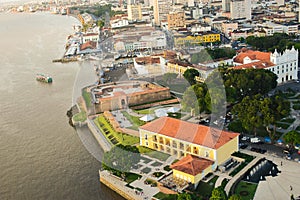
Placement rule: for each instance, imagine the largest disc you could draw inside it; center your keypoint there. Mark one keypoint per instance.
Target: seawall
(106, 146)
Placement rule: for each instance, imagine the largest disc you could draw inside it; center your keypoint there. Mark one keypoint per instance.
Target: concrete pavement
(278, 188)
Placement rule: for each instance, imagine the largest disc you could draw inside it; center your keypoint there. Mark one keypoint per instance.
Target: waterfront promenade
(106, 146)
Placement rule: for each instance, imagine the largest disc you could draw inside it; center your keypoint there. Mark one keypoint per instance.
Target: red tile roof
(255, 65)
(89, 44)
(253, 55)
(189, 132)
(192, 165)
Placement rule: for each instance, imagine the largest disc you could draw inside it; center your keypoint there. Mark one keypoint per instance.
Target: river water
(42, 157)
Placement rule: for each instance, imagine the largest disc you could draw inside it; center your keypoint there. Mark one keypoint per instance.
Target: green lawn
(87, 98)
(163, 196)
(204, 189)
(157, 174)
(121, 138)
(135, 121)
(145, 111)
(80, 117)
(167, 168)
(296, 106)
(153, 154)
(246, 190)
(146, 170)
(130, 177)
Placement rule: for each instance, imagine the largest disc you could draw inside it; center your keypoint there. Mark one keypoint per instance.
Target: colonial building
(284, 65)
(196, 39)
(121, 95)
(179, 67)
(200, 148)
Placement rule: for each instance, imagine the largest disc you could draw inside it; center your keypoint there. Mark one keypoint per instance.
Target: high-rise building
(134, 12)
(130, 2)
(156, 12)
(176, 20)
(226, 5)
(240, 9)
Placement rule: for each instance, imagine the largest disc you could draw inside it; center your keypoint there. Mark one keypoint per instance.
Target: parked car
(254, 140)
(243, 145)
(245, 138)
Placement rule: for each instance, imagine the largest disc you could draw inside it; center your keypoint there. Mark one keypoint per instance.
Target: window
(146, 143)
(146, 137)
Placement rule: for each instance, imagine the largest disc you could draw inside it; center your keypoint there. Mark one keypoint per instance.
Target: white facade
(89, 37)
(286, 65)
(119, 23)
(217, 63)
(240, 9)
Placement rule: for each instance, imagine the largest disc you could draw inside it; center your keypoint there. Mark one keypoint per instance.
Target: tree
(184, 196)
(100, 23)
(218, 194)
(274, 109)
(194, 99)
(190, 75)
(249, 113)
(292, 138)
(168, 77)
(235, 197)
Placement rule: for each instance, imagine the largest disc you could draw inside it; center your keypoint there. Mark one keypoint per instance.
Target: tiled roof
(189, 132)
(253, 55)
(192, 165)
(89, 44)
(255, 65)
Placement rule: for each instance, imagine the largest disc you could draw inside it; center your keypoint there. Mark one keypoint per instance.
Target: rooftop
(253, 55)
(189, 132)
(192, 165)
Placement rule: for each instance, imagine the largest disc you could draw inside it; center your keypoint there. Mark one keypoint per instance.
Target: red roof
(255, 65)
(192, 165)
(189, 132)
(89, 44)
(253, 55)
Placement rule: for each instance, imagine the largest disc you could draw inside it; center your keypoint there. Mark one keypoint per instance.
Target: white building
(118, 23)
(140, 39)
(89, 37)
(240, 9)
(284, 65)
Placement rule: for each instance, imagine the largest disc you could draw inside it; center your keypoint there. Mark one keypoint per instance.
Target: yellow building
(197, 39)
(179, 67)
(195, 143)
(134, 12)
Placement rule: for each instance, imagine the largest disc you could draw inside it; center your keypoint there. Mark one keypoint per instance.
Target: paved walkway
(238, 175)
(106, 146)
(294, 113)
(278, 188)
(221, 177)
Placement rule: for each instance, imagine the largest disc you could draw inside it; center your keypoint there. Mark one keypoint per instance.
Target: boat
(44, 78)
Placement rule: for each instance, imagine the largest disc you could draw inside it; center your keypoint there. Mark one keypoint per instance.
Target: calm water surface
(42, 157)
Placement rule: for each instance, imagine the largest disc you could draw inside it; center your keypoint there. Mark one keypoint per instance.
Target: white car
(245, 138)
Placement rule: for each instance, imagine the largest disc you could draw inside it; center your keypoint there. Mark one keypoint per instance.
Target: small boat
(43, 78)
